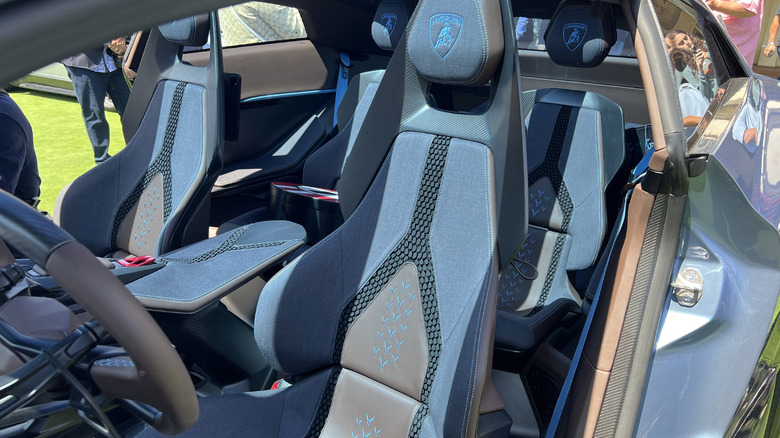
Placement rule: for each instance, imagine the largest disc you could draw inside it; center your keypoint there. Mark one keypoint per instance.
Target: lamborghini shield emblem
(574, 35)
(389, 21)
(444, 31)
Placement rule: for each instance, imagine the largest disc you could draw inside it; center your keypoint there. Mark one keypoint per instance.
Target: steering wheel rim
(156, 375)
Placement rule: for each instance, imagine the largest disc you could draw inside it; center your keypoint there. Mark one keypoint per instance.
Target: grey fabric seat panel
(157, 200)
(566, 177)
(611, 120)
(230, 259)
(323, 168)
(355, 92)
(398, 199)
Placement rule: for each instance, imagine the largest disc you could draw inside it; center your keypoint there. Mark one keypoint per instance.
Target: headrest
(389, 24)
(580, 33)
(190, 31)
(461, 48)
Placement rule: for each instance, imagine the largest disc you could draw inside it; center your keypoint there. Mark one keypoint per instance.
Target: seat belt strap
(341, 84)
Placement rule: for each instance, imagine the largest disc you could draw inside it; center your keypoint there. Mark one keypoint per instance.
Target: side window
(698, 73)
(259, 22)
(529, 34)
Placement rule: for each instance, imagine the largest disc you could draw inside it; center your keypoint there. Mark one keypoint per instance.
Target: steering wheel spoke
(158, 375)
(21, 387)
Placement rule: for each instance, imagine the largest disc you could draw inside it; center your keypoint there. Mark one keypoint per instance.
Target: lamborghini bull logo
(444, 32)
(574, 35)
(389, 21)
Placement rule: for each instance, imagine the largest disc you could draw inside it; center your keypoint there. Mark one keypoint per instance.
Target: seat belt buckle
(281, 384)
(133, 262)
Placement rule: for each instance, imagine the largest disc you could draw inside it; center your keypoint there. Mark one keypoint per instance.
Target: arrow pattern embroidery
(390, 333)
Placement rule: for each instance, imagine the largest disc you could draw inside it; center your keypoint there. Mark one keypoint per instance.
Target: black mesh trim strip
(227, 245)
(415, 248)
(417, 422)
(326, 399)
(161, 164)
(550, 168)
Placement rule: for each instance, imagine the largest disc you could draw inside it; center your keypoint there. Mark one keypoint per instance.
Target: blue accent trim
(284, 95)
(341, 83)
(643, 164)
(564, 395)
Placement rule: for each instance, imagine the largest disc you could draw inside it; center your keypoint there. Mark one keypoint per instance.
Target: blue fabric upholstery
(189, 31)
(581, 33)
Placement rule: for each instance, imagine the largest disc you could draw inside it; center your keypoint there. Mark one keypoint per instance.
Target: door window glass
(259, 22)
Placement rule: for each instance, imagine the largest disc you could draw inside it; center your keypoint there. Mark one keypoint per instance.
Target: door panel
(282, 85)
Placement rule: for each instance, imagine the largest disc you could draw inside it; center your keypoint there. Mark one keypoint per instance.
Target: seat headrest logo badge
(444, 32)
(574, 35)
(389, 21)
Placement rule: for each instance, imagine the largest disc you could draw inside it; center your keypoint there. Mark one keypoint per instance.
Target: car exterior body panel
(52, 78)
(705, 354)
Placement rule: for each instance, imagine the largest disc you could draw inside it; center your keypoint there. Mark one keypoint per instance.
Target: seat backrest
(323, 168)
(576, 145)
(143, 201)
(399, 302)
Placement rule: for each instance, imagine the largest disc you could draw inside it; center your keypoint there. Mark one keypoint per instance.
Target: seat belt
(341, 84)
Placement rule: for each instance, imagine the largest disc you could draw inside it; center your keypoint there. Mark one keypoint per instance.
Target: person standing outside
(18, 162)
(770, 48)
(743, 23)
(94, 73)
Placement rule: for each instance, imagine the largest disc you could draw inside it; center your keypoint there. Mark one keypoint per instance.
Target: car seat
(386, 324)
(576, 145)
(149, 198)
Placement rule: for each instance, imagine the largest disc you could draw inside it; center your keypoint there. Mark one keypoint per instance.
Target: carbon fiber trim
(614, 397)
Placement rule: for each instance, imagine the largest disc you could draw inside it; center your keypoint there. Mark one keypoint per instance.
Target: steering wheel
(154, 373)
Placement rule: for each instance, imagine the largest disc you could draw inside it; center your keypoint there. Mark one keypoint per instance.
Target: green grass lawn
(61, 141)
